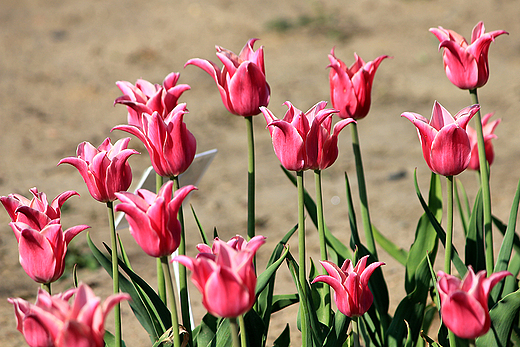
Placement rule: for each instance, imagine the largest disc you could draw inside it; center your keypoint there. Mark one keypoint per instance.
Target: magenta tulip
(466, 65)
(304, 141)
(488, 130)
(225, 275)
(464, 304)
(153, 218)
(241, 82)
(170, 144)
(53, 322)
(146, 97)
(105, 169)
(351, 293)
(445, 142)
(351, 88)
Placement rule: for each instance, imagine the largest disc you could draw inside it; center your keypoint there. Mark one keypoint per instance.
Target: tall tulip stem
(355, 330)
(243, 338)
(449, 227)
(234, 331)
(301, 249)
(115, 272)
(484, 183)
(183, 277)
(171, 301)
(46, 287)
(365, 215)
(161, 286)
(250, 179)
(325, 290)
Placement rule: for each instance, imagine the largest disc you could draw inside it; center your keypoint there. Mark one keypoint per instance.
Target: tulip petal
(464, 315)
(450, 151)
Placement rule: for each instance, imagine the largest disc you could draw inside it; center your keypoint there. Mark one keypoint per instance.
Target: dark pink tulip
(464, 304)
(225, 275)
(170, 144)
(488, 132)
(304, 141)
(445, 142)
(145, 97)
(153, 218)
(466, 65)
(351, 293)
(351, 88)
(53, 322)
(241, 82)
(105, 169)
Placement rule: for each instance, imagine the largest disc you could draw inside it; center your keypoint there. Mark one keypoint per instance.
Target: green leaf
(223, 336)
(110, 340)
(206, 330)
(284, 339)
(338, 331)
(282, 301)
(254, 329)
(464, 211)
(475, 252)
(199, 226)
(430, 341)
(391, 248)
(264, 278)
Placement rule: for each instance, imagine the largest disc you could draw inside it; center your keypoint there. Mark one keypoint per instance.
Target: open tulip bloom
(444, 140)
(488, 131)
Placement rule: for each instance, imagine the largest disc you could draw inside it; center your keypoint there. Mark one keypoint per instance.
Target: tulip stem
(355, 330)
(234, 331)
(183, 277)
(47, 287)
(250, 179)
(243, 337)
(484, 183)
(324, 290)
(171, 301)
(161, 286)
(115, 272)
(365, 215)
(449, 227)
(301, 251)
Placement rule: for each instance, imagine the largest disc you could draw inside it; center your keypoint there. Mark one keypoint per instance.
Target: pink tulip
(146, 97)
(170, 144)
(351, 293)
(225, 275)
(351, 88)
(53, 322)
(464, 304)
(466, 65)
(488, 132)
(105, 169)
(304, 141)
(445, 142)
(241, 82)
(153, 218)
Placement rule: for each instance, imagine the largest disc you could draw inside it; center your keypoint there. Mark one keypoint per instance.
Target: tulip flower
(170, 144)
(225, 275)
(53, 322)
(241, 81)
(445, 142)
(488, 132)
(145, 97)
(153, 218)
(351, 88)
(304, 141)
(351, 293)
(464, 304)
(466, 65)
(105, 169)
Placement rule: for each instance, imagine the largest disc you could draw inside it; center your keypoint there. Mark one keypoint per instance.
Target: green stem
(355, 330)
(365, 215)
(171, 300)
(161, 286)
(234, 332)
(183, 276)
(46, 287)
(115, 272)
(324, 290)
(243, 337)
(452, 338)
(449, 227)
(484, 184)
(301, 250)
(250, 179)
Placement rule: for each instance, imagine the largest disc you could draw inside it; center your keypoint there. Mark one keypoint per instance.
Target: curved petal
(464, 315)
(288, 145)
(450, 151)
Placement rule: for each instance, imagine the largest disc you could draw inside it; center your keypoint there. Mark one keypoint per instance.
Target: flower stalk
(449, 227)
(171, 300)
(115, 273)
(234, 331)
(301, 249)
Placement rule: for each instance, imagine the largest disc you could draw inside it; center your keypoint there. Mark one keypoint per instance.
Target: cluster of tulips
(238, 297)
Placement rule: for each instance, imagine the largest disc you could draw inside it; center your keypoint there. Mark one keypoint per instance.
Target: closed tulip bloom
(466, 65)
(105, 169)
(170, 144)
(351, 293)
(304, 141)
(464, 304)
(225, 275)
(53, 322)
(488, 130)
(445, 142)
(241, 82)
(153, 218)
(145, 97)
(351, 88)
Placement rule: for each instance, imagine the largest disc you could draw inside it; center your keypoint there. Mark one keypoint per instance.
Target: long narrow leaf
(391, 248)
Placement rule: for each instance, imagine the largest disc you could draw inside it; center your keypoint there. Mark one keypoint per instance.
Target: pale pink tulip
(466, 65)
(488, 130)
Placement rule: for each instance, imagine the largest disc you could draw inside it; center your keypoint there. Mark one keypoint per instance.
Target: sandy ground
(59, 61)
